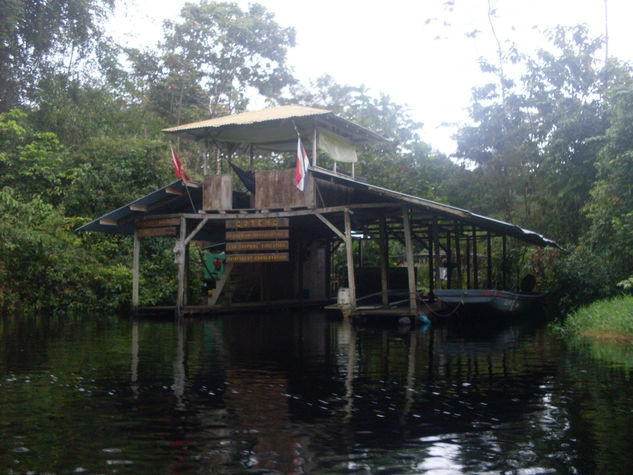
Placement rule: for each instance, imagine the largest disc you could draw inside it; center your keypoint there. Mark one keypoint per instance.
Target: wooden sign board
(257, 246)
(157, 223)
(257, 223)
(262, 257)
(257, 235)
(257, 240)
(162, 231)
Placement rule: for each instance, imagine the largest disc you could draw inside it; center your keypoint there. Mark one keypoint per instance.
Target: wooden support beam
(458, 258)
(141, 208)
(219, 286)
(187, 269)
(196, 230)
(467, 262)
(413, 294)
(383, 242)
(504, 263)
(431, 263)
(330, 225)
(136, 269)
(179, 252)
(252, 213)
(174, 191)
(108, 222)
(475, 260)
(205, 157)
(314, 146)
(449, 260)
(436, 246)
(350, 259)
(489, 251)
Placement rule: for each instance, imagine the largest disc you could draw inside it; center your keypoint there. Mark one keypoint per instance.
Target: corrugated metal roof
(273, 128)
(252, 117)
(169, 199)
(163, 202)
(463, 215)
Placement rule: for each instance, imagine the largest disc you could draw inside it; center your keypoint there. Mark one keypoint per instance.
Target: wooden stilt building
(278, 240)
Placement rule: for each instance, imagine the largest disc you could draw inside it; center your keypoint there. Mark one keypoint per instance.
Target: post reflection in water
(299, 393)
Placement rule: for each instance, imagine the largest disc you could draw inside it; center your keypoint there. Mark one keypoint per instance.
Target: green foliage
(580, 277)
(210, 58)
(43, 266)
(626, 284)
(611, 205)
(603, 318)
(110, 172)
(35, 160)
(41, 37)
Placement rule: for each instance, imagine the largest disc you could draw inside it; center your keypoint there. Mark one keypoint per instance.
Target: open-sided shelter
(277, 240)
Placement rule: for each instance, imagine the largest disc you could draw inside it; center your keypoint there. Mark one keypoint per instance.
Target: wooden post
(408, 242)
(431, 264)
(350, 259)
(218, 163)
(489, 250)
(384, 261)
(314, 147)
(205, 158)
(475, 264)
(179, 251)
(458, 256)
(449, 260)
(467, 262)
(436, 246)
(185, 295)
(504, 263)
(135, 270)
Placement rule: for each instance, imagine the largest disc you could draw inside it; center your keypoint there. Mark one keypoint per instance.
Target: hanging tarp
(338, 148)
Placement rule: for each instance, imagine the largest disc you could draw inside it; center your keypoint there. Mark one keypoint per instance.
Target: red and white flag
(302, 165)
(180, 171)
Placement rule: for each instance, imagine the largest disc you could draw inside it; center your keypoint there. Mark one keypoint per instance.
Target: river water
(301, 393)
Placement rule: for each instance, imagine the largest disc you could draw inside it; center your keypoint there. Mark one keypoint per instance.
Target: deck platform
(223, 309)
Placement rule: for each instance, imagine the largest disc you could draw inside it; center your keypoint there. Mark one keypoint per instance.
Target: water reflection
(298, 393)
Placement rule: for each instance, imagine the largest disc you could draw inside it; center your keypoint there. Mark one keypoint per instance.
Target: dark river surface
(301, 393)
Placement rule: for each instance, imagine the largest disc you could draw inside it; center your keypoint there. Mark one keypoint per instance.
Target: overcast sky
(389, 47)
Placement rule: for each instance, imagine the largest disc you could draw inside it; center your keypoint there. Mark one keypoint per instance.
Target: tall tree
(610, 208)
(40, 37)
(534, 142)
(213, 56)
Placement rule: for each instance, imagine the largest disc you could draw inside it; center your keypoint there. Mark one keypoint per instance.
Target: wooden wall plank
(217, 193)
(276, 189)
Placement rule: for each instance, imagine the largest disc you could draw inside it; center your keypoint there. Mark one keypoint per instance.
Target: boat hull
(502, 301)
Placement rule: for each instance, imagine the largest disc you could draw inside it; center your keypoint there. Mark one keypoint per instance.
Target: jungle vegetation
(80, 118)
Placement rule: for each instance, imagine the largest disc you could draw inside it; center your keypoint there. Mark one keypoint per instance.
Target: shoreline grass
(605, 319)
